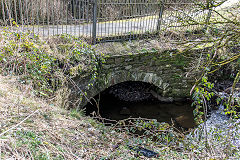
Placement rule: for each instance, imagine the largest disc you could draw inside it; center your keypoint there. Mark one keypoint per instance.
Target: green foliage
(76, 113)
(33, 141)
(26, 56)
(84, 60)
(202, 95)
(22, 56)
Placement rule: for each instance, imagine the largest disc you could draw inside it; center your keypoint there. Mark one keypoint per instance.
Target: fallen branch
(18, 123)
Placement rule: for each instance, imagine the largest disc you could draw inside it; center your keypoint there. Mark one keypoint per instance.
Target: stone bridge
(167, 69)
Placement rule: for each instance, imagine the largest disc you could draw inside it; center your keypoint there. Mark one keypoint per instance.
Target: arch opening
(140, 99)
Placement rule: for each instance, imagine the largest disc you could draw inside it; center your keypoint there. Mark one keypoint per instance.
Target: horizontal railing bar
(128, 3)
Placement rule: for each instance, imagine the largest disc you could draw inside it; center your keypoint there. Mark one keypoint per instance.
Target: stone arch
(107, 80)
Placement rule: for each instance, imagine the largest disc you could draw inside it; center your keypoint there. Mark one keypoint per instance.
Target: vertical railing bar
(84, 16)
(66, 18)
(101, 6)
(27, 17)
(58, 15)
(119, 19)
(117, 22)
(144, 19)
(43, 17)
(62, 16)
(9, 12)
(148, 31)
(73, 20)
(144, 15)
(33, 18)
(87, 15)
(122, 19)
(94, 27)
(131, 13)
(127, 24)
(89, 19)
(152, 14)
(97, 24)
(53, 17)
(3, 11)
(48, 16)
(75, 17)
(160, 17)
(15, 10)
(128, 27)
(133, 19)
(114, 24)
(79, 18)
(113, 33)
(135, 16)
(156, 15)
(149, 19)
(105, 21)
(8, 7)
(69, 20)
(140, 14)
(141, 7)
(24, 13)
(37, 16)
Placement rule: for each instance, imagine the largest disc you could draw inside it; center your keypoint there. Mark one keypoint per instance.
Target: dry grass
(49, 132)
(32, 129)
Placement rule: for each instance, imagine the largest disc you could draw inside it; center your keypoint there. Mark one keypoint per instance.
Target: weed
(76, 113)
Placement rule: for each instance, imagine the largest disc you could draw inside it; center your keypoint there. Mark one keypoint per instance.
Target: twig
(18, 123)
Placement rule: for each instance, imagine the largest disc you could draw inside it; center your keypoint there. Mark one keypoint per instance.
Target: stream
(135, 99)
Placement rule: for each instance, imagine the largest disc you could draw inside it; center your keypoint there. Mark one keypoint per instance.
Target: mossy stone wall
(165, 69)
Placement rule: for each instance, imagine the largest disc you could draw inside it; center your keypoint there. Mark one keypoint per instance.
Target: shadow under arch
(107, 80)
(115, 105)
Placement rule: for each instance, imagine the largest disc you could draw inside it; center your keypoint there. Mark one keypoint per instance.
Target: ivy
(202, 95)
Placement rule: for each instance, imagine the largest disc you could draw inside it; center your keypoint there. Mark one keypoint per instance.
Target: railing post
(160, 15)
(94, 30)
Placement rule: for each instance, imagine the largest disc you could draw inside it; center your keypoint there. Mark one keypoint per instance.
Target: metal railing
(98, 20)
